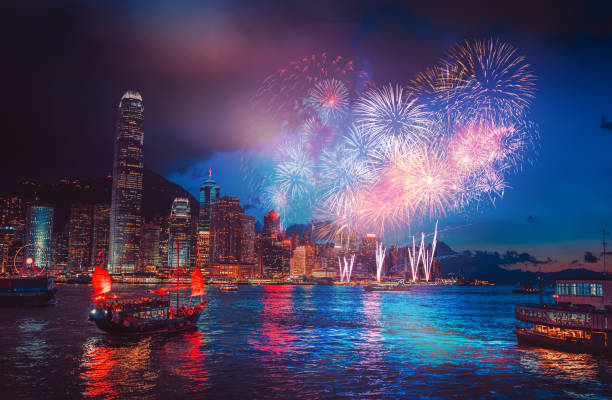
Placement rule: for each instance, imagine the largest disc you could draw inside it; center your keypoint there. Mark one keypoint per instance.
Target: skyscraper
(271, 226)
(149, 247)
(79, 237)
(209, 195)
(247, 241)
(100, 234)
(226, 230)
(180, 233)
(39, 227)
(125, 213)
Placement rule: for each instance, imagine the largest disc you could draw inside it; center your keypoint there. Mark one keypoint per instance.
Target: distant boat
(27, 290)
(527, 289)
(228, 288)
(388, 287)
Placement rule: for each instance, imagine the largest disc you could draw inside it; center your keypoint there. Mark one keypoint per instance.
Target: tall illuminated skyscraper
(180, 232)
(125, 213)
(39, 227)
(209, 195)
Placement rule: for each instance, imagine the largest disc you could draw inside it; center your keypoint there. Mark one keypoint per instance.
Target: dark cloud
(589, 257)
(66, 65)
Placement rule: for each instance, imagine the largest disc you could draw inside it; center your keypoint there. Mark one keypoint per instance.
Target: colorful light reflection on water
(286, 341)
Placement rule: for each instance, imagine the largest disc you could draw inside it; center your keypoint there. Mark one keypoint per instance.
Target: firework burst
(492, 76)
(374, 159)
(391, 110)
(329, 99)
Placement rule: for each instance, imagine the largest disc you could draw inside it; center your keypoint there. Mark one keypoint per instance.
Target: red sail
(197, 283)
(101, 281)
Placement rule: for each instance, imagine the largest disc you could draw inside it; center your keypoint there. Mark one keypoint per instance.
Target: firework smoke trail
(391, 110)
(380, 259)
(414, 259)
(428, 255)
(329, 99)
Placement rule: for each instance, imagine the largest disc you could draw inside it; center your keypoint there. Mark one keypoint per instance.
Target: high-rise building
(59, 254)
(7, 238)
(79, 237)
(149, 247)
(272, 226)
(100, 234)
(209, 195)
(180, 233)
(303, 261)
(39, 228)
(125, 213)
(247, 241)
(226, 230)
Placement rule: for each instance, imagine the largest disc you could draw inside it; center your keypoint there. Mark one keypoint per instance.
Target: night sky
(66, 65)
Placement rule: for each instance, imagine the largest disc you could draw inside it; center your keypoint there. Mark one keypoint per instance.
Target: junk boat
(388, 287)
(29, 285)
(146, 314)
(580, 321)
(228, 288)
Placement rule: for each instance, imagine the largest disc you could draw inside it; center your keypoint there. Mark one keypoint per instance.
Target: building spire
(210, 174)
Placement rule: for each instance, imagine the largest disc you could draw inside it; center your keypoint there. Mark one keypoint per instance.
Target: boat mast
(604, 250)
(178, 269)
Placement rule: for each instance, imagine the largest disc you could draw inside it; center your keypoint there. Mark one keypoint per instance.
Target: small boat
(388, 287)
(527, 289)
(228, 288)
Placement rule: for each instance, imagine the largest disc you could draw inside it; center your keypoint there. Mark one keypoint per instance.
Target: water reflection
(112, 366)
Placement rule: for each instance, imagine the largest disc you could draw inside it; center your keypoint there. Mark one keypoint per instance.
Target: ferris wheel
(29, 267)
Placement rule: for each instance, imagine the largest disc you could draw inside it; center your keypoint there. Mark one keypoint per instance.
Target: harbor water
(297, 342)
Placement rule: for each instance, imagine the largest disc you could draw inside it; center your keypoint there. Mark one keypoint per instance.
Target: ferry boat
(146, 314)
(580, 321)
(388, 287)
(27, 290)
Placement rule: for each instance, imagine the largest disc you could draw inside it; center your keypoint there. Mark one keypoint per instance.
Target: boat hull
(146, 327)
(529, 338)
(26, 291)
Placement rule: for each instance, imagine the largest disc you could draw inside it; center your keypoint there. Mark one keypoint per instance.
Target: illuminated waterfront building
(7, 237)
(247, 240)
(302, 262)
(100, 234)
(180, 234)
(272, 226)
(39, 228)
(80, 236)
(226, 230)
(59, 252)
(125, 213)
(209, 195)
(149, 247)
